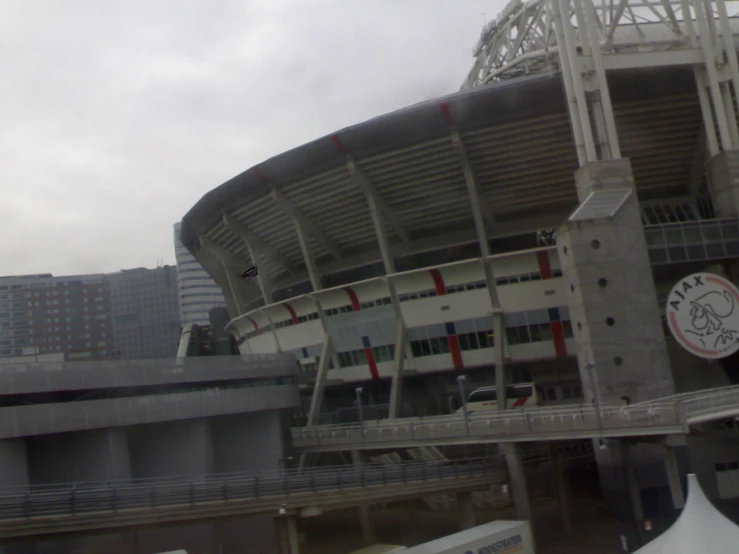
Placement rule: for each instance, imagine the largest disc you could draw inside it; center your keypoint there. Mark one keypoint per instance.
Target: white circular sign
(703, 314)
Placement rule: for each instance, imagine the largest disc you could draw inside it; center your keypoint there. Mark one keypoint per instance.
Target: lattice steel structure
(584, 40)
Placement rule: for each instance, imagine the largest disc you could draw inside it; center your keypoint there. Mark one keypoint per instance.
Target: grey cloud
(117, 116)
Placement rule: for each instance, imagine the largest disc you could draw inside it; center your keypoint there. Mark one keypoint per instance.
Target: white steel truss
(522, 40)
(583, 39)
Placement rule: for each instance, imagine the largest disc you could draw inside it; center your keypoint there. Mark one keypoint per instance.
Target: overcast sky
(117, 116)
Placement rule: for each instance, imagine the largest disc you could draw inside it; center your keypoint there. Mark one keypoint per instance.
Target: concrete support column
(287, 534)
(13, 464)
(633, 484)
(723, 182)
(466, 507)
(99, 455)
(673, 478)
(561, 490)
(517, 475)
(367, 522)
(613, 306)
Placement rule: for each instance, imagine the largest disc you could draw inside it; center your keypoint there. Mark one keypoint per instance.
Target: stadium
(588, 163)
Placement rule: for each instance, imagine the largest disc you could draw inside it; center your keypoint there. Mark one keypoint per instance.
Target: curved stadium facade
(586, 166)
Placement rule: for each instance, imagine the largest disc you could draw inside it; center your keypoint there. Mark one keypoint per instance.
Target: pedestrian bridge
(667, 416)
(50, 510)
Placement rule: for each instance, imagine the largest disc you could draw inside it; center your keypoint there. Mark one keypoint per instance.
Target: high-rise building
(198, 292)
(42, 313)
(145, 312)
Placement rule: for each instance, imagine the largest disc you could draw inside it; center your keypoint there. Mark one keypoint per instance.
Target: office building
(198, 292)
(44, 314)
(145, 312)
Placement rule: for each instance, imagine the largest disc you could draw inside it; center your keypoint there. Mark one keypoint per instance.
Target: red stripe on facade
(259, 174)
(438, 282)
(338, 144)
(256, 327)
(372, 363)
(455, 351)
(446, 114)
(353, 298)
(558, 336)
(519, 402)
(293, 315)
(545, 267)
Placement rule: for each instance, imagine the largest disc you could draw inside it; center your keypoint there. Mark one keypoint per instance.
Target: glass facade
(197, 291)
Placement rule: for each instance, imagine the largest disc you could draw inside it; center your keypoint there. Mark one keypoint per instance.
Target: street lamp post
(460, 384)
(359, 391)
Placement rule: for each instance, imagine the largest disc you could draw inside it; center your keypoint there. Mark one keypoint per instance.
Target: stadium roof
(517, 138)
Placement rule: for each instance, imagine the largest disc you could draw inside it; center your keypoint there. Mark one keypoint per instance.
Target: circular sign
(703, 315)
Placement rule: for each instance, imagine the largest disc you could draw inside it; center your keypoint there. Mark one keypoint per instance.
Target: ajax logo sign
(703, 315)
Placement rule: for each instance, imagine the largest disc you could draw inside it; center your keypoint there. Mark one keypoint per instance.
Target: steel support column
(467, 518)
(673, 478)
(561, 491)
(396, 385)
(367, 523)
(320, 385)
(238, 302)
(402, 353)
(310, 262)
(481, 216)
(517, 475)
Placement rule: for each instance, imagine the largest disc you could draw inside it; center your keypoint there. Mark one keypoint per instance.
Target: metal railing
(512, 425)
(154, 494)
(667, 415)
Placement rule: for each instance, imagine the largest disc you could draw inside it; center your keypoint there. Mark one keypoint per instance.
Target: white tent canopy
(699, 526)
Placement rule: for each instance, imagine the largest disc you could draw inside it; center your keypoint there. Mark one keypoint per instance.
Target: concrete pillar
(673, 478)
(466, 507)
(287, 534)
(632, 481)
(613, 305)
(722, 172)
(561, 490)
(518, 481)
(366, 520)
(181, 448)
(13, 464)
(79, 456)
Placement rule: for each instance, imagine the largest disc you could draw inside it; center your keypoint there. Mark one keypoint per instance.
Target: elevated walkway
(47, 511)
(668, 416)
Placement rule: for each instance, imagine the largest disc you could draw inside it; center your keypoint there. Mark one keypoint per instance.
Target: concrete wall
(18, 421)
(249, 442)
(17, 378)
(100, 455)
(13, 463)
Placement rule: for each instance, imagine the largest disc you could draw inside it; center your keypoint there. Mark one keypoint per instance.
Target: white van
(485, 399)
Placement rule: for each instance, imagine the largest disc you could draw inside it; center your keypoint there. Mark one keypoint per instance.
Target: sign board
(703, 315)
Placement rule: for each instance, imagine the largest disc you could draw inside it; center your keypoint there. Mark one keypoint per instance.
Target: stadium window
(485, 338)
(567, 329)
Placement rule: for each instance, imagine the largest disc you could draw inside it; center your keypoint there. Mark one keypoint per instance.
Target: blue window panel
(365, 342)
(417, 333)
(564, 313)
(450, 330)
(436, 330)
(554, 314)
(465, 326)
(534, 317)
(516, 319)
(304, 352)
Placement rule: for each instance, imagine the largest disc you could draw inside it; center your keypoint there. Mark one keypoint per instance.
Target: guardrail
(672, 415)
(524, 425)
(38, 508)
